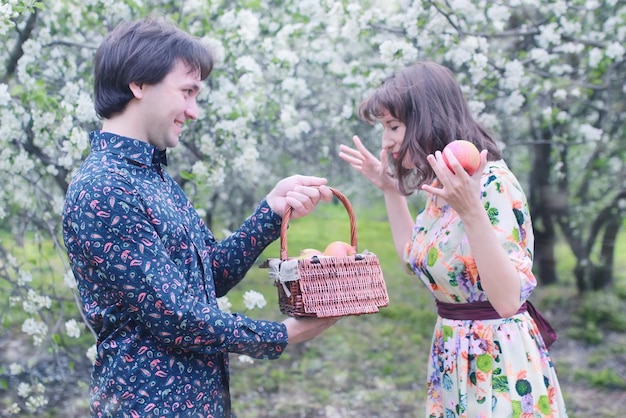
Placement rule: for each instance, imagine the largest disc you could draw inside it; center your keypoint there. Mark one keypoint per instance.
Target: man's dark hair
(142, 51)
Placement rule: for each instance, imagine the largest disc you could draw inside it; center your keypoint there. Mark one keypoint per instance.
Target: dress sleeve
(507, 207)
(127, 277)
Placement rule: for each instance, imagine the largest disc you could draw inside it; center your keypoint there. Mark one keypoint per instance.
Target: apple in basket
(308, 253)
(466, 153)
(339, 249)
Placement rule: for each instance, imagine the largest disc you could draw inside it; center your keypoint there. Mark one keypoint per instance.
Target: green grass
(363, 363)
(374, 365)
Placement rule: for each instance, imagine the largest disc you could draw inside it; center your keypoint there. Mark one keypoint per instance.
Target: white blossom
(247, 63)
(91, 353)
(35, 302)
(287, 56)
(37, 329)
(224, 304)
(36, 402)
(479, 68)
(14, 408)
(540, 55)
(595, 56)
(397, 51)
(15, 369)
(498, 15)
(72, 328)
(295, 87)
(24, 278)
(514, 75)
(248, 25)
(476, 107)
(615, 50)
(245, 359)
(5, 97)
(560, 94)
(254, 299)
(562, 117)
(513, 102)
(590, 133)
(23, 390)
(459, 55)
(548, 36)
(463, 7)
(69, 279)
(218, 52)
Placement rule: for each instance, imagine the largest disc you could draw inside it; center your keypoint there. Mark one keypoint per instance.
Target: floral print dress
(483, 368)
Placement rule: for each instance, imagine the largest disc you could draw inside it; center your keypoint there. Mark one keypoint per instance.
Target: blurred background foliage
(547, 77)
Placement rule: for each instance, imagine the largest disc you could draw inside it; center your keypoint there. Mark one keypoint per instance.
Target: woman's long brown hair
(429, 101)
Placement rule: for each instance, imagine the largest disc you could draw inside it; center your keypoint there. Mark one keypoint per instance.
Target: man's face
(166, 106)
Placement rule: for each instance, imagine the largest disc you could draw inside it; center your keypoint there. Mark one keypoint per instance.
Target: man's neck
(122, 125)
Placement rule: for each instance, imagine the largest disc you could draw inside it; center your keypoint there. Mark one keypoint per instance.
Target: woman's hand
(460, 190)
(363, 161)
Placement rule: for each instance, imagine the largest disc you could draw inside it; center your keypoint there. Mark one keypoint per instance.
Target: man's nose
(192, 110)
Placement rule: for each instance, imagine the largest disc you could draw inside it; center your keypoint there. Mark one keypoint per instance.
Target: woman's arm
(377, 173)
(499, 274)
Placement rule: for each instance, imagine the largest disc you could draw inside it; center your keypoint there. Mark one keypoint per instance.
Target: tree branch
(18, 50)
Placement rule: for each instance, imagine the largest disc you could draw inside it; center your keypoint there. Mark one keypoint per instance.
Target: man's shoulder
(99, 172)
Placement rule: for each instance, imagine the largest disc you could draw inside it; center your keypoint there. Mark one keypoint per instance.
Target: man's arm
(234, 256)
(123, 266)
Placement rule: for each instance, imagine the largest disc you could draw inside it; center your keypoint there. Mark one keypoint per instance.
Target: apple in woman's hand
(466, 153)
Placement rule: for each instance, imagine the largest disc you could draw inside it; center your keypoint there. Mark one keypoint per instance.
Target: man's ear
(137, 89)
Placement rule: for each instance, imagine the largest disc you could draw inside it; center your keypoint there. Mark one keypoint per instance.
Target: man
(148, 270)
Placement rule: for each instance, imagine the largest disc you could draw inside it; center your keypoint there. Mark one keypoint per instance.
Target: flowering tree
(545, 75)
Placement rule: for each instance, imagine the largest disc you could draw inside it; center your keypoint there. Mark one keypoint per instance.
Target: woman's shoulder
(498, 173)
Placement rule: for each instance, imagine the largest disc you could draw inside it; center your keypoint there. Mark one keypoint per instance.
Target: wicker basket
(326, 286)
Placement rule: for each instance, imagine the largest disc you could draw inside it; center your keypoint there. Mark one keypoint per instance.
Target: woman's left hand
(460, 190)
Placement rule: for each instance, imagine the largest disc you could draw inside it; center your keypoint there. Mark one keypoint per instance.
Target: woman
(472, 246)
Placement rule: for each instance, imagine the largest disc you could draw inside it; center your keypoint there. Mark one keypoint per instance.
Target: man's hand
(303, 329)
(302, 193)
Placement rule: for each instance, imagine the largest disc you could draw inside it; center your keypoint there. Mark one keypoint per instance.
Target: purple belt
(483, 310)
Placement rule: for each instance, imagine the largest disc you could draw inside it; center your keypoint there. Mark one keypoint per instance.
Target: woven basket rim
(284, 254)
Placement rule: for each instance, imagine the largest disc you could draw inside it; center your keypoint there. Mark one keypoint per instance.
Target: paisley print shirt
(149, 272)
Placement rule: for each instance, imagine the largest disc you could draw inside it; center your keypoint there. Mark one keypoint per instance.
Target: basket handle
(287, 215)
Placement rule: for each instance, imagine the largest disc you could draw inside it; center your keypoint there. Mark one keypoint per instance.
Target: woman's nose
(386, 141)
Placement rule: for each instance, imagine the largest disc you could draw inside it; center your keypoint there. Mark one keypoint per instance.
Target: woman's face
(393, 136)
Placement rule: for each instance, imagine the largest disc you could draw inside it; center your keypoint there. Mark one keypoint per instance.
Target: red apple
(339, 249)
(466, 153)
(308, 253)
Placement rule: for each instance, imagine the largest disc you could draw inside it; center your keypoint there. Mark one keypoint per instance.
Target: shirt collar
(129, 148)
